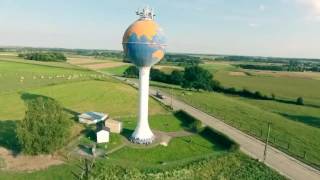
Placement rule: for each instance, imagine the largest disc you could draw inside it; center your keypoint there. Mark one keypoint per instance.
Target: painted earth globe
(144, 42)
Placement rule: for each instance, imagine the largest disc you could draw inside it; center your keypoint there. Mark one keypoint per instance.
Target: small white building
(113, 125)
(92, 117)
(103, 135)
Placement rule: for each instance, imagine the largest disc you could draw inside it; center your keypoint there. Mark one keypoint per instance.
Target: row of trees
(44, 56)
(181, 60)
(297, 67)
(192, 77)
(290, 66)
(264, 59)
(198, 78)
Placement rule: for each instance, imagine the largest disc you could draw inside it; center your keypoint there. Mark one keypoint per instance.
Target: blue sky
(289, 28)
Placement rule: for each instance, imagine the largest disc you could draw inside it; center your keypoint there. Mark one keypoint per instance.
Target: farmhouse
(113, 125)
(92, 117)
(103, 135)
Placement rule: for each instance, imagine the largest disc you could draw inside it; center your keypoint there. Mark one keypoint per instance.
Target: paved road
(276, 159)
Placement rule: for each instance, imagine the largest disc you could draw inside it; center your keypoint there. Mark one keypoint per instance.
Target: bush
(300, 101)
(258, 95)
(196, 126)
(157, 75)
(176, 77)
(131, 72)
(45, 127)
(197, 78)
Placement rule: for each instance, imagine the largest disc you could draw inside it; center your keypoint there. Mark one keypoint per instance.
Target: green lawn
(166, 123)
(178, 151)
(118, 71)
(253, 119)
(110, 97)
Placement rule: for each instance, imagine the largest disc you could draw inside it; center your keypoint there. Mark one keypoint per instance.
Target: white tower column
(143, 133)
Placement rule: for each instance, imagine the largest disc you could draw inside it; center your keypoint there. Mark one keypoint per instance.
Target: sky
(279, 28)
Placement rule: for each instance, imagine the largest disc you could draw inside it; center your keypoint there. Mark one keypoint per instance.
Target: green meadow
(80, 90)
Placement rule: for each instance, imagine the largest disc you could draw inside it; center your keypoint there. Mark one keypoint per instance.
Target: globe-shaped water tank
(144, 43)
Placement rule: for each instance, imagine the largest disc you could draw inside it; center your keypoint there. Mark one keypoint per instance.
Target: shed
(114, 125)
(92, 117)
(103, 135)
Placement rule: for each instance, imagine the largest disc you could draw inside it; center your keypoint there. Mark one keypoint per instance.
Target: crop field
(252, 116)
(284, 85)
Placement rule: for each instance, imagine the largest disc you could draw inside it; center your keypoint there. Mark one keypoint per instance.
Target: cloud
(262, 7)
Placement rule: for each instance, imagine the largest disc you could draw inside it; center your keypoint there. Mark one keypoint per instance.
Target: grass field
(92, 93)
(285, 85)
(253, 118)
(118, 71)
(110, 97)
(190, 148)
(20, 76)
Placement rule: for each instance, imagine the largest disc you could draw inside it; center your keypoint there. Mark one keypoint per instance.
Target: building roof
(92, 117)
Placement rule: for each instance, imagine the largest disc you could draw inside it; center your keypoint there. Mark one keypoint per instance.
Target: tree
(157, 75)
(176, 77)
(198, 78)
(131, 72)
(300, 101)
(45, 127)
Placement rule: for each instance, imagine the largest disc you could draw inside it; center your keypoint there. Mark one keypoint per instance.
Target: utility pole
(171, 92)
(266, 146)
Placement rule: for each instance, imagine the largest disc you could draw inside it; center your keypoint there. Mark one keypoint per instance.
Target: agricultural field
(284, 85)
(80, 90)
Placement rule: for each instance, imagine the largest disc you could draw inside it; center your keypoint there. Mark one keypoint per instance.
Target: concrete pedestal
(143, 133)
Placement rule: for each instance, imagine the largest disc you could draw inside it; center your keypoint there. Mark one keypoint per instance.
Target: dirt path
(27, 163)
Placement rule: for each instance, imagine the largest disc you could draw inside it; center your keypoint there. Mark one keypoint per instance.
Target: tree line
(43, 56)
(192, 77)
(198, 78)
(291, 66)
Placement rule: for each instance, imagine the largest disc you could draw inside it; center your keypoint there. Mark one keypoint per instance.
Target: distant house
(103, 135)
(113, 125)
(92, 117)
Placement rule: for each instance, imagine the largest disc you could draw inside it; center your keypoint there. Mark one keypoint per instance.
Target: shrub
(300, 101)
(176, 77)
(258, 95)
(157, 75)
(45, 127)
(197, 78)
(131, 72)
(196, 126)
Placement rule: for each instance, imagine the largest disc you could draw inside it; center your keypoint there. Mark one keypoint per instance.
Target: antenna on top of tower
(146, 13)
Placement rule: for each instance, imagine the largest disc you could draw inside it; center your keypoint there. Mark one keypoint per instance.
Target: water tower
(144, 45)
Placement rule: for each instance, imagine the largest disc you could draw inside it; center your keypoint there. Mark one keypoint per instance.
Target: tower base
(142, 141)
